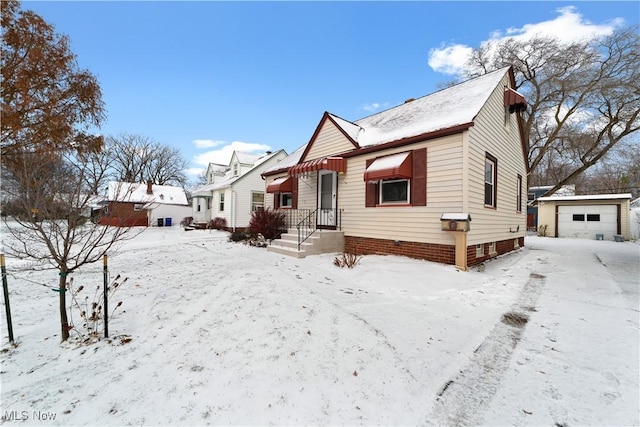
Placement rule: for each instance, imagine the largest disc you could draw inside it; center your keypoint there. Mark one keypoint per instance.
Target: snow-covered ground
(225, 333)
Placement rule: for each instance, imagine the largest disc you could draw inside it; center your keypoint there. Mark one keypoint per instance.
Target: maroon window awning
(395, 166)
(336, 164)
(281, 185)
(514, 100)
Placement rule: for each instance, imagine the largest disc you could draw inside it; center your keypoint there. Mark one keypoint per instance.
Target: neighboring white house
(233, 192)
(132, 204)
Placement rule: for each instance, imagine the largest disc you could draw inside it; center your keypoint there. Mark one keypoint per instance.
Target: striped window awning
(395, 166)
(514, 100)
(281, 185)
(336, 164)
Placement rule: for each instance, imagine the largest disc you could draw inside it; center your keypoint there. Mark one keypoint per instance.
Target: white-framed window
(492, 248)
(394, 191)
(221, 205)
(137, 207)
(480, 250)
(208, 203)
(235, 169)
(490, 164)
(286, 200)
(257, 201)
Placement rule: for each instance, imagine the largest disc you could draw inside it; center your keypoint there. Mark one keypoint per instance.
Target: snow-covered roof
(289, 161)
(456, 105)
(585, 197)
(137, 193)
(207, 189)
(217, 168)
(349, 128)
(247, 158)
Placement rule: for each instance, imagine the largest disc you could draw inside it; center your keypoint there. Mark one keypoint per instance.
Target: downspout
(233, 209)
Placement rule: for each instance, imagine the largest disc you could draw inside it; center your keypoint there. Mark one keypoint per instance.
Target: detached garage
(601, 216)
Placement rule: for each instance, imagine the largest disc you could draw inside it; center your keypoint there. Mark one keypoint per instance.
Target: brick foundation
(428, 251)
(502, 247)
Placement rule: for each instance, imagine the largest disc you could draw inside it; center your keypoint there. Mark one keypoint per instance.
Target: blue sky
(211, 77)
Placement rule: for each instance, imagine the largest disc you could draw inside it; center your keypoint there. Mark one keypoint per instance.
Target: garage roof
(584, 197)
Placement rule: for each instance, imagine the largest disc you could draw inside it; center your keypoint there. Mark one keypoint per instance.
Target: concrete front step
(322, 241)
(282, 250)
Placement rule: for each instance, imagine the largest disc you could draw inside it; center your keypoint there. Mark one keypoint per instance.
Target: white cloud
(568, 26)
(195, 171)
(223, 154)
(449, 59)
(371, 107)
(207, 143)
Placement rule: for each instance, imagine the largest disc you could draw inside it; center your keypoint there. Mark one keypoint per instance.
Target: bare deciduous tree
(583, 97)
(137, 158)
(51, 206)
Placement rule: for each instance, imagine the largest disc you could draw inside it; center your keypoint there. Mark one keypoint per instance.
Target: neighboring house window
(198, 207)
(490, 166)
(399, 178)
(531, 197)
(221, 202)
(394, 191)
(480, 250)
(286, 200)
(519, 194)
(257, 201)
(137, 206)
(208, 203)
(235, 169)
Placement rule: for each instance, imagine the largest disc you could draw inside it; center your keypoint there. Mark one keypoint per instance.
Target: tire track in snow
(461, 400)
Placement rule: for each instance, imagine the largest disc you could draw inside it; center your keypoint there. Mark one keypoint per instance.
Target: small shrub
(268, 222)
(347, 260)
(217, 223)
(542, 230)
(238, 236)
(90, 309)
(186, 221)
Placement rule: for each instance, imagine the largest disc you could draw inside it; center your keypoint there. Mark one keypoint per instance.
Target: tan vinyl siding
(329, 142)
(308, 191)
(490, 135)
(405, 223)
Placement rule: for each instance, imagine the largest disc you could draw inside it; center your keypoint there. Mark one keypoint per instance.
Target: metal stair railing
(306, 227)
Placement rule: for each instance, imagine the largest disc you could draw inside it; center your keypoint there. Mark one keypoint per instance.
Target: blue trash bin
(167, 222)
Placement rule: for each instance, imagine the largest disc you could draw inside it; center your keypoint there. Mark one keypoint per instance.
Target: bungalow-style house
(600, 216)
(442, 178)
(131, 204)
(233, 192)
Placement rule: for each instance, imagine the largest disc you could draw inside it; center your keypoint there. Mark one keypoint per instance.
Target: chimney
(268, 152)
(409, 100)
(149, 187)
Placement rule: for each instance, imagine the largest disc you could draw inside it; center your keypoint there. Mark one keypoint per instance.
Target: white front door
(327, 198)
